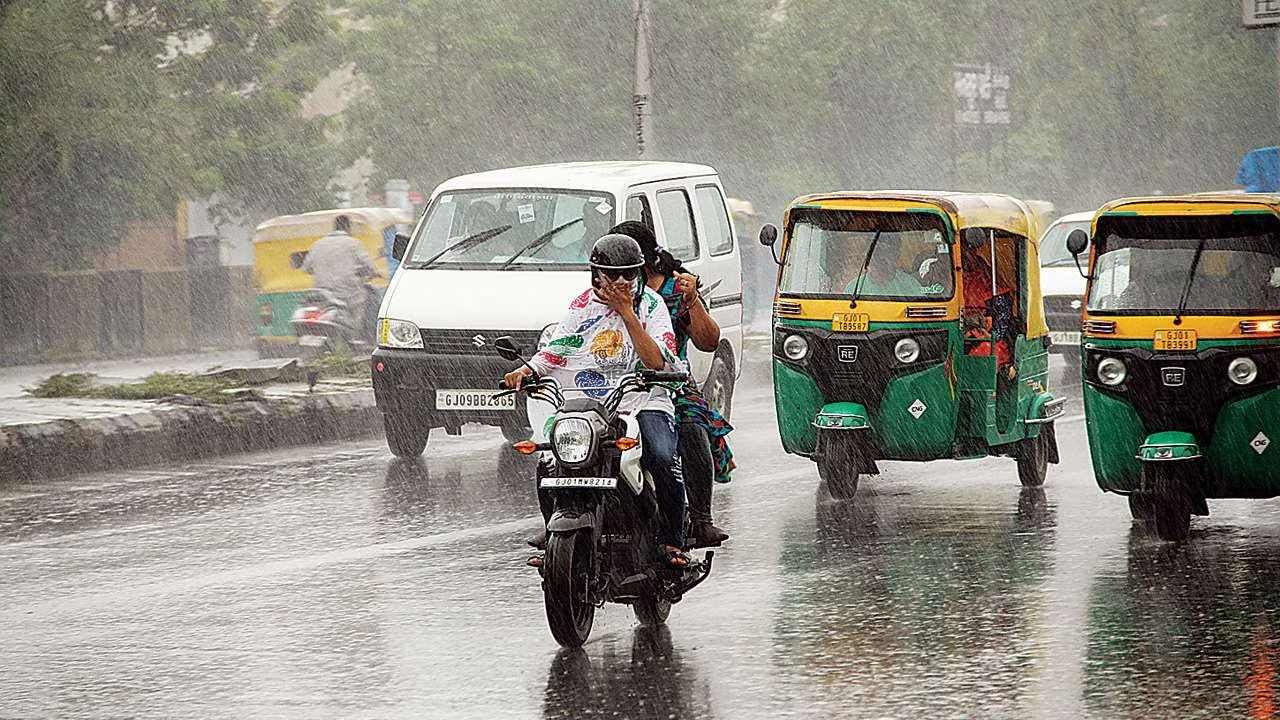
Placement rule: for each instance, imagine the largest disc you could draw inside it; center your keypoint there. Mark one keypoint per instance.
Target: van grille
(452, 341)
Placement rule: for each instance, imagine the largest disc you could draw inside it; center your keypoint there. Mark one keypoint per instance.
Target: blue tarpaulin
(1260, 170)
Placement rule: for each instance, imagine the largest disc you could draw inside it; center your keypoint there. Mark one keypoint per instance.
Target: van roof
(611, 175)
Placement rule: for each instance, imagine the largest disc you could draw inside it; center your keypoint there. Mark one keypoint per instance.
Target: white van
(1062, 285)
(503, 253)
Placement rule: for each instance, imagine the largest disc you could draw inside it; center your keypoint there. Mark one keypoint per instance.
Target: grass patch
(339, 364)
(152, 387)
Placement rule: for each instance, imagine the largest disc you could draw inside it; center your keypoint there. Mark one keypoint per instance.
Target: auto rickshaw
(1181, 352)
(896, 336)
(280, 244)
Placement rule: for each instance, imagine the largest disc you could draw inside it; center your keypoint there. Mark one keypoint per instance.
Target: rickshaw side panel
(797, 402)
(1115, 432)
(1244, 427)
(899, 433)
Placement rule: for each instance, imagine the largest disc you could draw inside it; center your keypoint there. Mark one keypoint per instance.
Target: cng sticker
(1260, 443)
(917, 408)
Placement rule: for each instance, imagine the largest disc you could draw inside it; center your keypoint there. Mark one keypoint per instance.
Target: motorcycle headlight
(572, 438)
(907, 350)
(548, 334)
(1112, 371)
(1242, 371)
(795, 347)
(398, 334)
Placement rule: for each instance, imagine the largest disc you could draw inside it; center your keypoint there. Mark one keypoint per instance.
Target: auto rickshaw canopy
(1024, 220)
(276, 241)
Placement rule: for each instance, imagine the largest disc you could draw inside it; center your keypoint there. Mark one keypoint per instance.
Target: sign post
(642, 85)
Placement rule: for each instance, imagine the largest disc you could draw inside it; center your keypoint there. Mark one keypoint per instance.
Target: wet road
(333, 582)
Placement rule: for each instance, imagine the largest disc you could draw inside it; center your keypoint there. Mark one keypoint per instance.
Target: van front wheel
(406, 433)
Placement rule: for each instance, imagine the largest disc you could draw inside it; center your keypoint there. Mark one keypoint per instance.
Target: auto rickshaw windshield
(1144, 264)
(906, 256)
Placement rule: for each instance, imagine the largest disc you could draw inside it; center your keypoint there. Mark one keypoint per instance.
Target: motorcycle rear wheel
(566, 587)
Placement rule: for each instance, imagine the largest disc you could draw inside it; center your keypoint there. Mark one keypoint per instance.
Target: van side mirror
(507, 348)
(1078, 242)
(769, 239)
(399, 245)
(973, 238)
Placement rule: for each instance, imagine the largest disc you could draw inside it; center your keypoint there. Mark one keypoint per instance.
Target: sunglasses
(623, 274)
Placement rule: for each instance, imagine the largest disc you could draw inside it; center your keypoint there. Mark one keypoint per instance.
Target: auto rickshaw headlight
(1112, 371)
(907, 350)
(795, 347)
(1242, 371)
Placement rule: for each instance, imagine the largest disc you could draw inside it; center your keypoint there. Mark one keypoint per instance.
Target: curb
(41, 451)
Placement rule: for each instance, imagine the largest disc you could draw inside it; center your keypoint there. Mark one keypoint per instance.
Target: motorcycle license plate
(311, 340)
(1175, 340)
(474, 400)
(850, 322)
(591, 483)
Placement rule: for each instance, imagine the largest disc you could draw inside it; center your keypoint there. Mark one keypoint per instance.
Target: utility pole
(642, 86)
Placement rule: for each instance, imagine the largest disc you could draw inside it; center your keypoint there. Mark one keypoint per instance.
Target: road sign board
(1260, 13)
(982, 94)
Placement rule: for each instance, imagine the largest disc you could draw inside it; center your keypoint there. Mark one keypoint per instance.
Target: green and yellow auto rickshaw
(279, 245)
(1181, 352)
(909, 326)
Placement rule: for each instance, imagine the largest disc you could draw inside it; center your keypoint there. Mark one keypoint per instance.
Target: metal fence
(51, 317)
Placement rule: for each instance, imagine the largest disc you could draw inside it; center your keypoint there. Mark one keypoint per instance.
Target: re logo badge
(917, 408)
(1260, 443)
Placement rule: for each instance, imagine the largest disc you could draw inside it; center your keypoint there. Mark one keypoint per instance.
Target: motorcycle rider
(614, 327)
(704, 451)
(340, 264)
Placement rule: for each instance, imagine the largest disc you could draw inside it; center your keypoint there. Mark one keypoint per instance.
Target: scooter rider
(611, 329)
(704, 449)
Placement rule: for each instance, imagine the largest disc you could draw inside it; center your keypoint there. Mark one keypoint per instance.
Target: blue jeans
(661, 458)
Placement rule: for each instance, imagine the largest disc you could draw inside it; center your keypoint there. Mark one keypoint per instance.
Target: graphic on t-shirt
(606, 344)
(587, 379)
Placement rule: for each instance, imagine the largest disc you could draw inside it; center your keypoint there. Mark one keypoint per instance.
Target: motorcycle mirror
(769, 239)
(507, 348)
(399, 245)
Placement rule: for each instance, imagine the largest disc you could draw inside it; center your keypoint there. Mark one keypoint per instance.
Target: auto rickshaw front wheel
(1170, 500)
(838, 468)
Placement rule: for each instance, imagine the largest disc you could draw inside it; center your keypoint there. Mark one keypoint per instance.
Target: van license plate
(850, 322)
(1064, 337)
(474, 400)
(1175, 340)
(593, 483)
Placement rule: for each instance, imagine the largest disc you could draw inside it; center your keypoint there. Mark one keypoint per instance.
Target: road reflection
(920, 602)
(423, 495)
(652, 682)
(1187, 629)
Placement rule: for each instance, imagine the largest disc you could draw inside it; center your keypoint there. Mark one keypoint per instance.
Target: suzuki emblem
(479, 340)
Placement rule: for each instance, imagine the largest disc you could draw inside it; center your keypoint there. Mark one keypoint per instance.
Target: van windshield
(909, 256)
(526, 228)
(1053, 246)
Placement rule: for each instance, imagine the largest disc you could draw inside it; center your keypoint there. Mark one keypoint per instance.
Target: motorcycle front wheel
(566, 587)
(651, 610)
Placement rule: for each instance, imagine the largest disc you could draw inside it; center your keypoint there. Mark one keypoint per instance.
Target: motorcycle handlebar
(663, 376)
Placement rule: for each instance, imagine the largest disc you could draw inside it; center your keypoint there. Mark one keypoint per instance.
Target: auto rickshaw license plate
(850, 322)
(1175, 340)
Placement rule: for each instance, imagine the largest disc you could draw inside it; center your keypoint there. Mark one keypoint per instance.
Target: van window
(677, 224)
(714, 219)
(638, 209)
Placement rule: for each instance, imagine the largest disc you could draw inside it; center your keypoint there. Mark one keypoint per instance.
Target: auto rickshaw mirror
(769, 238)
(507, 348)
(399, 245)
(296, 259)
(1077, 241)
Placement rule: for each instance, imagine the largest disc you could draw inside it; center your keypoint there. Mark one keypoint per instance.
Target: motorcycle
(600, 536)
(323, 324)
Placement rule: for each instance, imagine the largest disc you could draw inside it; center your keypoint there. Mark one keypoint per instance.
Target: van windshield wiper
(866, 263)
(465, 243)
(1186, 290)
(538, 243)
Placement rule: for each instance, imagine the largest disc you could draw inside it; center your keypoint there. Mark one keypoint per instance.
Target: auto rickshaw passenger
(986, 315)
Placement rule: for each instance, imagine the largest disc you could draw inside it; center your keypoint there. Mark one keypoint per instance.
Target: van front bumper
(405, 381)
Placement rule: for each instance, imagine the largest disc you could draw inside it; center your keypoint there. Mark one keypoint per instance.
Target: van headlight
(907, 350)
(571, 440)
(795, 347)
(1112, 371)
(1242, 371)
(398, 334)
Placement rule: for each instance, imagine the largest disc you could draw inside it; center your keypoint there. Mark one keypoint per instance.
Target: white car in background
(1062, 285)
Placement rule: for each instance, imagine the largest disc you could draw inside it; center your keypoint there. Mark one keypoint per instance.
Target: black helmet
(656, 258)
(617, 255)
